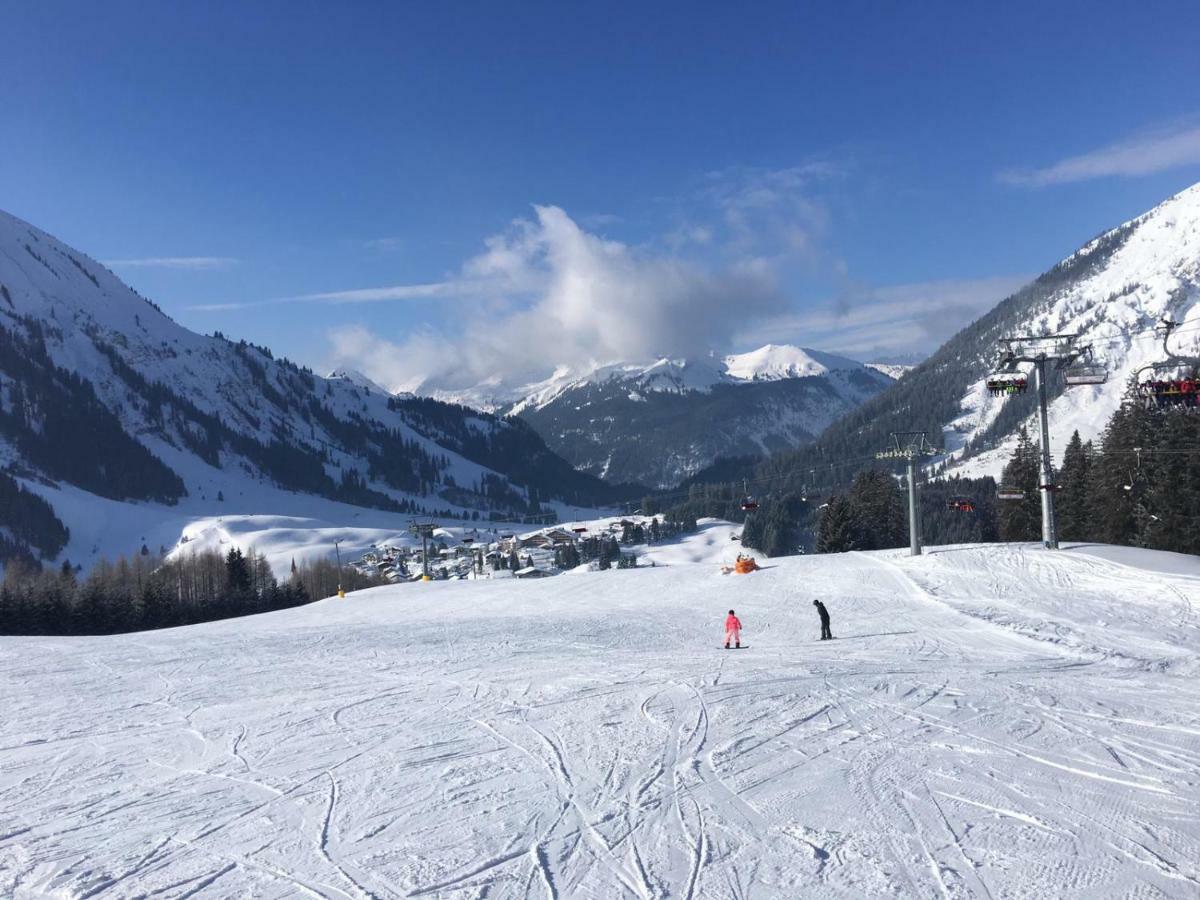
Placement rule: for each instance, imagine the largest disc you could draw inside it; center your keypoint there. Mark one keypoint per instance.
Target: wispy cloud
(455, 288)
(187, 263)
(871, 323)
(395, 292)
(774, 212)
(1144, 154)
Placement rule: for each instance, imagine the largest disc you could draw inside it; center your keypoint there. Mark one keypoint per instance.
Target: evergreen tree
(1164, 482)
(879, 510)
(1021, 520)
(1116, 482)
(838, 528)
(943, 524)
(783, 522)
(239, 592)
(1072, 499)
(753, 531)
(610, 552)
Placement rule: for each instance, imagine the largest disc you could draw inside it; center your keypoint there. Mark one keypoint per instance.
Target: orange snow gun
(745, 566)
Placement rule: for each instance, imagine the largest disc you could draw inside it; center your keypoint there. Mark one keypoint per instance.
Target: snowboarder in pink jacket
(733, 631)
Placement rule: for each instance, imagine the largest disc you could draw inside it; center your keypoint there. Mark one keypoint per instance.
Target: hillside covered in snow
(990, 721)
(105, 401)
(1112, 293)
(660, 422)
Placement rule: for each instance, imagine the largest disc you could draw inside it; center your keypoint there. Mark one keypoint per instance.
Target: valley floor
(991, 722)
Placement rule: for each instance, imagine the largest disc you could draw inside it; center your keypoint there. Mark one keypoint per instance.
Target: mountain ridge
(101, 390)
(661, 421)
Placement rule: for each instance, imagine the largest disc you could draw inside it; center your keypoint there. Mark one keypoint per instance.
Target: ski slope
(991, 722)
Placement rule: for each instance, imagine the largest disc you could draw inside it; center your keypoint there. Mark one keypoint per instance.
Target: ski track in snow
(991, 722)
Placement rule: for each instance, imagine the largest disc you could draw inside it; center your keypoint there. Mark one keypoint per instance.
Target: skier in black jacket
(826, 635)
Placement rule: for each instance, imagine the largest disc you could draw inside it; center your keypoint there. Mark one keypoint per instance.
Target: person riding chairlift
(1188, 388)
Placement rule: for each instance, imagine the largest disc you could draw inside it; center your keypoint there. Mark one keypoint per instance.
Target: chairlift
(1085, 374)
(1134, 472)
(1169, 393)
(749, 504)
(1005, 384)
(1177, 391)
(1008, 492)
(961, 504)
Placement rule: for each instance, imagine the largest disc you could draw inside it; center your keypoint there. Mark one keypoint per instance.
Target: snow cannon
(745, 565)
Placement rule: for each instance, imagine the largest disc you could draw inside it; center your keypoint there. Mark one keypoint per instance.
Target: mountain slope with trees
(1112, 292)
(102, 392)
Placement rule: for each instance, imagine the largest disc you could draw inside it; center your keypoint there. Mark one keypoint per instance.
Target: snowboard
(743, 647)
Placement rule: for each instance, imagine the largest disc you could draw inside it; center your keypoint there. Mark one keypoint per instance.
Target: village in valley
(450, 553)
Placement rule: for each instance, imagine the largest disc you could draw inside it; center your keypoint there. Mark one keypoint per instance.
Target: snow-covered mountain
(1111, 292)
(774, 362)
(1118, 288)
(104, 396)
(355, 377)
(660, 422)
(895, 371)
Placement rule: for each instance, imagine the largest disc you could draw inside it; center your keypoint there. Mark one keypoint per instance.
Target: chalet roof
(531, 572)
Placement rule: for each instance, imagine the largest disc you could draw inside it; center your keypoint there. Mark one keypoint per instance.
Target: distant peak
(773, 362)
(356, 377)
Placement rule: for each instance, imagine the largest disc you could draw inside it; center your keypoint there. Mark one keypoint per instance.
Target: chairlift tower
(338, 550)
(425, 530)
(1054, 352)
(910, 446)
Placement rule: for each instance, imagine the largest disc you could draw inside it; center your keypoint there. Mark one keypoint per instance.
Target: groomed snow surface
(995, 721)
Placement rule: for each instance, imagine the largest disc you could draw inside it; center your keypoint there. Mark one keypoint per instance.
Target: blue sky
(522, 186)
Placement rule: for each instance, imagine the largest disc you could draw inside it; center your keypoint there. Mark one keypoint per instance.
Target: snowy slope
(894, 371)
(991, 722)
(358, 378)
(1153, 272)
(1112, 293)
(232, 421)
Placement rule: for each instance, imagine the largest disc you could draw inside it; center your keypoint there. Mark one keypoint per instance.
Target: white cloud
(772, 212)
(549, 294)
(188, 263)
(871, 323)
(1143, 154)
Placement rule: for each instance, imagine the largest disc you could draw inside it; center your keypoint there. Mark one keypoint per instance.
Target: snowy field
(992, 722)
